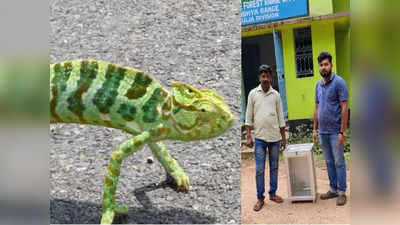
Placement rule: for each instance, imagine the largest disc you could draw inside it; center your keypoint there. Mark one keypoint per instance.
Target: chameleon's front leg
(171, 166)
(127, 148)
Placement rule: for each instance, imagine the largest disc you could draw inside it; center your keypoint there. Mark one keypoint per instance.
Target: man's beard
(265, 83)
(325, 73)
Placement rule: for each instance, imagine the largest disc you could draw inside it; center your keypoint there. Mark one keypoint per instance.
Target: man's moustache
(324, 73)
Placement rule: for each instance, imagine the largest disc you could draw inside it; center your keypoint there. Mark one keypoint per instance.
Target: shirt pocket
(272, 119)
(271, 114)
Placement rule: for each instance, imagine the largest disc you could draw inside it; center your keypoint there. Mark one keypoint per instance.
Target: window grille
(303, 52)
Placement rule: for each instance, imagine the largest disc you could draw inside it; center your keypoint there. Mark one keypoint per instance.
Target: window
(303, 52)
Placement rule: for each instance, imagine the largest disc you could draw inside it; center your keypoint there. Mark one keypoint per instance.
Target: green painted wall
(341, 6)
(343, 56)
(320, 7)
(300, 91)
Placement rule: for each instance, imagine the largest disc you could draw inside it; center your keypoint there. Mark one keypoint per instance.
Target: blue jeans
(260, 149)
(335, 163)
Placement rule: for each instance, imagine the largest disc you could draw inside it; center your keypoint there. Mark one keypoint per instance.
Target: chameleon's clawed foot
(121, 209)
(180, 181)
(107, 217)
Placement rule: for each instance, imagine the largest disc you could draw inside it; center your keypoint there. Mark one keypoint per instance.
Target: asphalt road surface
(196, 42)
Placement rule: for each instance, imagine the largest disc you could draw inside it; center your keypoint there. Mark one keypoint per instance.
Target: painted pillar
(243, 100)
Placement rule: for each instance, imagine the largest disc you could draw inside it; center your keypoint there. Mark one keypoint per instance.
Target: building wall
(300, 91)
(320, 7)
(343, 56)
(341, 6)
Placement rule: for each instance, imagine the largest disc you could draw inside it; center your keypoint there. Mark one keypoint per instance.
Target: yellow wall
(320, 7)
(341, 5)
(300, 91)
(343, 56)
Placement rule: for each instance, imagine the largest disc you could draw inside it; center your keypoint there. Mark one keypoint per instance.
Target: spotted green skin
(105, 94)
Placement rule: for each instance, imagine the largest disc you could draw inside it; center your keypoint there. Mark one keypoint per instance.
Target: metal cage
(299, 160)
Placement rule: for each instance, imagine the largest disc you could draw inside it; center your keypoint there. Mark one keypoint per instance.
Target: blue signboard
(261, 11)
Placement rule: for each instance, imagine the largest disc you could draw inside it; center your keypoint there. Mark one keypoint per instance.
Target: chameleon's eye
(203, 110)
(189, 92)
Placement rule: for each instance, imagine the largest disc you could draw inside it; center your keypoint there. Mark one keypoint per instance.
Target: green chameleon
(105, 94)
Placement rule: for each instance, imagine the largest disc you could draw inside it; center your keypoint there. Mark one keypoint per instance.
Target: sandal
(259, 205)
(276, 198)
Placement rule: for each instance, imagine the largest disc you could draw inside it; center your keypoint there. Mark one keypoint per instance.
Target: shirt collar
(330, 80)
(259, 88)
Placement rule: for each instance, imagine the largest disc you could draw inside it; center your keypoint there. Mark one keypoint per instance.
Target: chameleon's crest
(199, 114)
(185, 95)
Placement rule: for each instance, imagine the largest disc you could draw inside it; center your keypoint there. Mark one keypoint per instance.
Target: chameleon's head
(198, 114)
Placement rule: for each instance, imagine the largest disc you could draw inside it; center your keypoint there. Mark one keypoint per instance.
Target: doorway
(258, 50)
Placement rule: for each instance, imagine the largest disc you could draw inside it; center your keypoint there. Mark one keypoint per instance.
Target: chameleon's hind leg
(127, 148)
(171, 166)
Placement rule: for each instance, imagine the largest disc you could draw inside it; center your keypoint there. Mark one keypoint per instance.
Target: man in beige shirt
(264, 114)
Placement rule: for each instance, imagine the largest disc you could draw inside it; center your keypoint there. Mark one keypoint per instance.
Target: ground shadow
(83, 212)
(306, 201)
